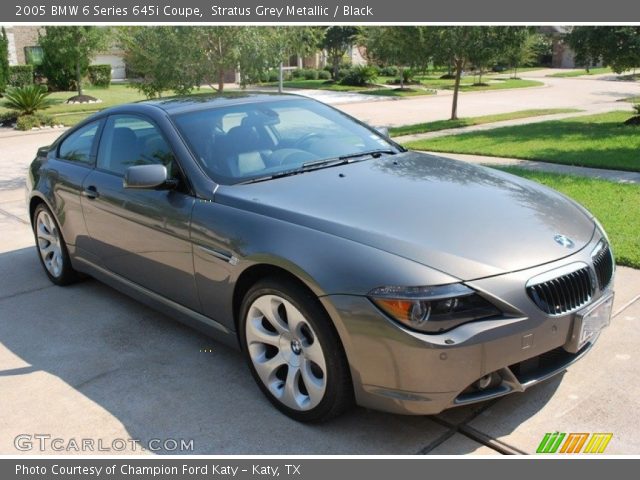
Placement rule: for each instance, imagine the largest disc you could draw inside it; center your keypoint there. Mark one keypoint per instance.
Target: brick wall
(23, 36)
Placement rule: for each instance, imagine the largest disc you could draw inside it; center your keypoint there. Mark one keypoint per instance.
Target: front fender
(227, 241)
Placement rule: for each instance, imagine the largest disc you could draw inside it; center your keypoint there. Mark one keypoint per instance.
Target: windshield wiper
(374, 153)
(318, 164)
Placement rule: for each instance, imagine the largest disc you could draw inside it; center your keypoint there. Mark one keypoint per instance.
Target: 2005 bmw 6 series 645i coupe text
(345, 267)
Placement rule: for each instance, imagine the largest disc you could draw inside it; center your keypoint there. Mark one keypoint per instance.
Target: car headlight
(432, 309)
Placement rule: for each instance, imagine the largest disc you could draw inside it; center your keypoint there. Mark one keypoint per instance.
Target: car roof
(177, 105)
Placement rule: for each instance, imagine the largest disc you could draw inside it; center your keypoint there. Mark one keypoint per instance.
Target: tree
(264, 48)
(405, 47)
(161, 58)
(460, 46)
(617, 47)
(521, 50)
(68, 52)
(586, 46)
(4, 60)
(218, 50)
(454, 44)
(336, 42)
(491, 43)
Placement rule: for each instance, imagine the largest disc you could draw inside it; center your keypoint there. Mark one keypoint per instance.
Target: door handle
(90, 192)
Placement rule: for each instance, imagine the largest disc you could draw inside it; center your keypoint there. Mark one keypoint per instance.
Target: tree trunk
(78, 78)
(456, 88)
(336, 67)
(281, 78)
(220, 80)
(401, 78)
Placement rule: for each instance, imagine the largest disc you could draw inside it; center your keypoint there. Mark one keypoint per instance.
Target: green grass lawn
(397, 92)
(599, 141)
(466, 122)
(467, 83)
(316, 85)
(581, 73)
(430, 82)
(116, 94)
(615, 205)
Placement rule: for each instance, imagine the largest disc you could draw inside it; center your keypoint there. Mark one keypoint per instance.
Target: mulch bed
(83, 99)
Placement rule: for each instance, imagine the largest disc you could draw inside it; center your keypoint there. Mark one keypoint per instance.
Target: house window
(33, 55)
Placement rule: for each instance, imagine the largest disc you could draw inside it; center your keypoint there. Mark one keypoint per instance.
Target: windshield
(263, 139)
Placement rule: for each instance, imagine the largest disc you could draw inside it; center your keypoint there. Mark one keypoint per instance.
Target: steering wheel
(305, 138)
(290, 156)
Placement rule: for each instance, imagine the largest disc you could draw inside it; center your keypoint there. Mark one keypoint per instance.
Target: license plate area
(589, 322)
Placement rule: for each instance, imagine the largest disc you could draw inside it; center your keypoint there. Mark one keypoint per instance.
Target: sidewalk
(617, 176)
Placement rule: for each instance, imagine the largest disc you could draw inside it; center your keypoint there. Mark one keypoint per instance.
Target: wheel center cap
(296, 347)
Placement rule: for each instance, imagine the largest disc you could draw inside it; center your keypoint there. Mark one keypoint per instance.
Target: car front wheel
(293, 351)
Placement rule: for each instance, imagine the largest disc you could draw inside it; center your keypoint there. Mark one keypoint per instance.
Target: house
(563, 55)
(24, 49)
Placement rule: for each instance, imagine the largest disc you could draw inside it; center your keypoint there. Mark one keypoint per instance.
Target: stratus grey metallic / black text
(346, 268)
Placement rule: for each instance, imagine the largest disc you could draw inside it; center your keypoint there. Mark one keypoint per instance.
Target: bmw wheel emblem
(564, 241)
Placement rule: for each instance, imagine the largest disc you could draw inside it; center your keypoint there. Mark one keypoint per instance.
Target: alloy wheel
(49, 246)
(285, 352)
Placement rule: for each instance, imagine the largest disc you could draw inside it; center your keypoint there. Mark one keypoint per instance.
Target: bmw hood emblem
(564, 241)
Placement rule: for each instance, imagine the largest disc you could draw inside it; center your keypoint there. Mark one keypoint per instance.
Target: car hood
(462, 219)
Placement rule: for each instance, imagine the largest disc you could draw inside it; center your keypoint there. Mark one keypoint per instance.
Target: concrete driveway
(85, 362)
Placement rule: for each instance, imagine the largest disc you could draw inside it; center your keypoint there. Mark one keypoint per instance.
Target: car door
(67, 167)
(141, 235)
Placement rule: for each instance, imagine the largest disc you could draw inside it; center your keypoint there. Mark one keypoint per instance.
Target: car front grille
(603, 264)
(564, 293)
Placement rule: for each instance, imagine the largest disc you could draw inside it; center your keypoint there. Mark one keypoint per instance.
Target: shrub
(8, 117)
(359, 76)
(311, 74)
(27, 122)
(636, 108)
(342, 73)
(20, 75)
(389, 71)
(28, 99)
(100, 75)
(306, 73)
(324, 75)
(408, 75)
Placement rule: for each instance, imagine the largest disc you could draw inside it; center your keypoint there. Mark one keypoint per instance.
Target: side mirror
(384, 131)
(145, 176)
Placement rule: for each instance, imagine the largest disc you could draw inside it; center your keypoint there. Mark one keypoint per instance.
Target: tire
(52, 249)
(294, 352)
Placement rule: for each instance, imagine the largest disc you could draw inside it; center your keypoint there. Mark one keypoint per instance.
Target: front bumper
(398, 370)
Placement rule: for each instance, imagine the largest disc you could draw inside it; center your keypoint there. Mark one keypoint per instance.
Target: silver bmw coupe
(346, 268)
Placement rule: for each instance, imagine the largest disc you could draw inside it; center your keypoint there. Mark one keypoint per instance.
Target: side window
(129, 140)
(77, 147)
